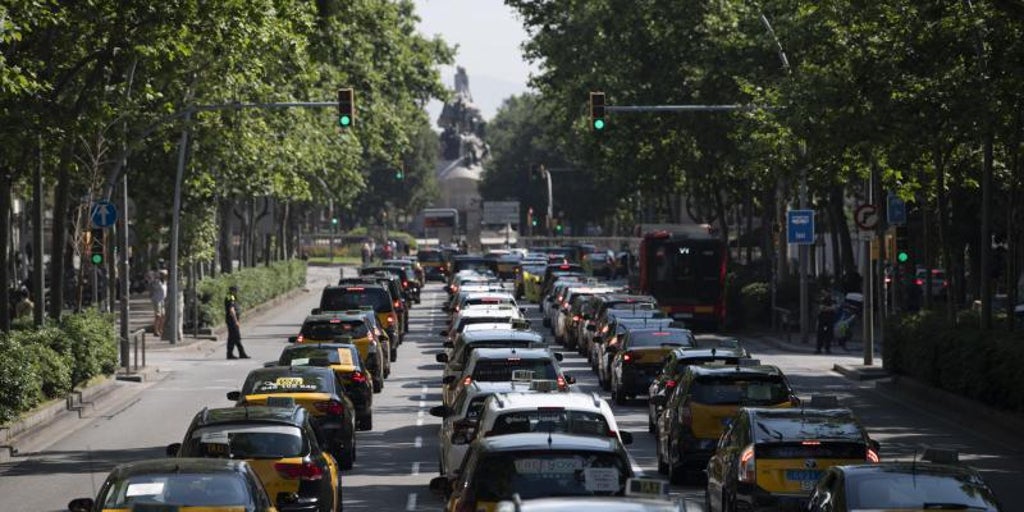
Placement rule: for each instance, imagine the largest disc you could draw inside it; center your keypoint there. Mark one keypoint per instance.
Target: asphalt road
(398, 458)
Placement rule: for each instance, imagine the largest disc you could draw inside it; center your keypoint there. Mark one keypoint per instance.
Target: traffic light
(597, 110)
(902, 256)
(346, 108)
(558, 227)
(96, 247)
(399, 174)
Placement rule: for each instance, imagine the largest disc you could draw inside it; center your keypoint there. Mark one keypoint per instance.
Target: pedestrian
(24, 307)
(826, 323)
(367, 253)
(232, 316)
(157, 296)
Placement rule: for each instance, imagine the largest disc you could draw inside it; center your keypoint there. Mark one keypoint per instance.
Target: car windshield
(246, 442)
(180, 489)
(719, 390)
(549, 474)
(316, 356)
(431, 256)
(500, 370)
(917, 491)
(335, 328)
(660, 339)
(284, 383)
(551, 419)
(355, 298)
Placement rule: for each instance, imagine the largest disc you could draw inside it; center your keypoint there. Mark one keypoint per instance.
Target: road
(398, 458)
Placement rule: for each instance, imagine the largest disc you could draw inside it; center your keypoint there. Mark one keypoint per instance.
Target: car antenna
(549, 438)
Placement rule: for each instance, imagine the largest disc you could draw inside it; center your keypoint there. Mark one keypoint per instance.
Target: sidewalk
(854, 347)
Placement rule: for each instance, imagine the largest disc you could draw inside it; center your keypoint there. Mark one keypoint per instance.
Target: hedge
(980, 365)
(256, 285)
(45, 363)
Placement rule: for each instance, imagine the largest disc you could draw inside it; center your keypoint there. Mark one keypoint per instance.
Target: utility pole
(39, 311)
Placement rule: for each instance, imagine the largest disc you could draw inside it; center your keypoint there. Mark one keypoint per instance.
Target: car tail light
(299, 338)
(332, 407)
(405, 284)
(670, 384)
(628, 357)
(303, 471)
(358, 377)
(398, 304)
(919, 282)
(561, 382)
(872, 456)
(747, 465)
(392, 319)
(467, 381)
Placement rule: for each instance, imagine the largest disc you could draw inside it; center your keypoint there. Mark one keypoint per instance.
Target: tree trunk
(954, 277)
(837, 207)
(225, 249)
(5, 242)
(58, 261)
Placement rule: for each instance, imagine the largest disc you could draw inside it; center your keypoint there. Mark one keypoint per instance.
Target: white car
(562, 316)
(501, 364)
(573, 413)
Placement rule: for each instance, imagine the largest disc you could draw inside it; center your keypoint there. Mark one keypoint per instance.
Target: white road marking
(423, 403)
(419, 422)
(419, 414)
(410, 504)
(415, 468)
(418, 443)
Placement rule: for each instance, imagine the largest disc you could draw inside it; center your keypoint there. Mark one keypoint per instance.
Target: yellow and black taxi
(434, 263)
(673, 367)
(411, 282)
(703, 403)
(185, 485)
(358, 296)
(347, 327)
(770, 459)
(344, 360)
(536, 465)
(639, 357)
(316, 389)
(280, 445)
(529, 278)
(936, 482)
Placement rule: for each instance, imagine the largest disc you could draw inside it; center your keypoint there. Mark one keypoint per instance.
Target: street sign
(866, 216)
(896, 210)
(103, 214)
(800, 227)
(501, 212)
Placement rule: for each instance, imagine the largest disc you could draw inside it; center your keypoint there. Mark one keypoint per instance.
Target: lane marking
(419, 422)
(423, 403)
(415, 469)
(419, 414)
(410, 504)
(418, 443)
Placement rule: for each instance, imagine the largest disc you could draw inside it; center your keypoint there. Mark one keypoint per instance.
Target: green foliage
(20, 384)
(256, 285)
(755, 300)
(925, 347)
(51, 358)
(89, 337)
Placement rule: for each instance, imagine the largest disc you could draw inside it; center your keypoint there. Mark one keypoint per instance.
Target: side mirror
(173, 449)
(448, 379)
(627, 437)
(293, 339)
(439, 411)
(315, 311)
(234, 395)
(559, 357)
(287, 498)
(440, 485)
(522, 310)
(659, 400)
(81, 505)
(441, 358)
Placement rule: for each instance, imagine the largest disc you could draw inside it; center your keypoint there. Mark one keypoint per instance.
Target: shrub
(50, 358)
(93, 344)
(756, 300)
(20, 385)
(256, 285)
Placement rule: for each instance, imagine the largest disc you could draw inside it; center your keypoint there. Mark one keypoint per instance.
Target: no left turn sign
(866, 216)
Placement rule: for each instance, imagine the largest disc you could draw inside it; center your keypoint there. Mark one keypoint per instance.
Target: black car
(345, 361)
(672, 370)
(316, 389)
(363, 293)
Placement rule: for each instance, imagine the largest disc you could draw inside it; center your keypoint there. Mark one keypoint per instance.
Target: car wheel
(546, 322)
(347, 458)
(366, 422)
(394, 354)
(707, 500)
(378, 385)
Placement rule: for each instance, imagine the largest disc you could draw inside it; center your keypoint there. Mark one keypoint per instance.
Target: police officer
(231, 315)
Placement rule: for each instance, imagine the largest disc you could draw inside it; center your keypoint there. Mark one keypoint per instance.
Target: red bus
(683, 266)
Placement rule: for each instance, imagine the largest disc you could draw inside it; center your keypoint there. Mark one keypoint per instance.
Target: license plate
(803, 475)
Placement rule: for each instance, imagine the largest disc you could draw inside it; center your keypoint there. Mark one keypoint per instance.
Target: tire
(546, 322)
(662, 465)
(378, 385)
(347, 458)
(366, 422)
(394, 354)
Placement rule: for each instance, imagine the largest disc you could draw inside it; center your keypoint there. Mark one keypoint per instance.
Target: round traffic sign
(866, 216)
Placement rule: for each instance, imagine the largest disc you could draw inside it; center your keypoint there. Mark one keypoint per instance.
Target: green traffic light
(345, 121)
(902, 257)
(334, 221)
(97, 259)
(399, 175)
(599, 124)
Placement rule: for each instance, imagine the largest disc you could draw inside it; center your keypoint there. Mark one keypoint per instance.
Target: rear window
(284, 383)
(551, 420)
(328, 330)
(246, 442)
(719, 390)
(431, 256)
(660, 339)
(813, 450)
(478, 264)
(549, 473)
(341, 299)
(681, 364)
(911, 491)
(807, 426)
(186, 489)
(500, 370)
(315, 356)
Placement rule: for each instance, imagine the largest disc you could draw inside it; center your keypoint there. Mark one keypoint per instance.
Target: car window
(328, 330)
(500, 370)
(660, 339)
(717, 390)
(549, 473)
(889, 490)
(181, 489)
(551, 420)
(355, 298)
(246, 442)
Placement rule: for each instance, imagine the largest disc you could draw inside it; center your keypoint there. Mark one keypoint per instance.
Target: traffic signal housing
(346, 107)
(96, 246)
(597, 104)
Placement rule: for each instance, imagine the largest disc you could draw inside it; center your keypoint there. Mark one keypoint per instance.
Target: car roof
(347, 315)
(529, 401)
(293, 370)
(250, 414)
(501, 334)
(908, 468)
(549, 441)
(505, 353)
(726, 370)
(345, 287)
(490, 310)
(598, 504)
(692, 352)
(179, 465)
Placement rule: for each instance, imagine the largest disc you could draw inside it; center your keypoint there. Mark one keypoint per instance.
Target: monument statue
(462, 125)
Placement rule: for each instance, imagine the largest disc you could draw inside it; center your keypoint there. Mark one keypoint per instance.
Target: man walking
(231, 316)
(157, 295)
(826, 324)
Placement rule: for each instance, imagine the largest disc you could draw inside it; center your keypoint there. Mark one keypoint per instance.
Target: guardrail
(137, 343)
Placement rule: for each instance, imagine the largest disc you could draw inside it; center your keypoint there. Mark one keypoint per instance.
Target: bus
(440, 223)
(683, 267)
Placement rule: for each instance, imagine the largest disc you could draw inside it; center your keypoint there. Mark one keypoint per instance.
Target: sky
(488, 35)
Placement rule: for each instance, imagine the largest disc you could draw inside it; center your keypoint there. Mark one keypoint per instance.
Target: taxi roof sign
(646, 488)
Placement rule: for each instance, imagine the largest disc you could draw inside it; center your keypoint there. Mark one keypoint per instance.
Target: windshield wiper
(949, 506)
(774, 433)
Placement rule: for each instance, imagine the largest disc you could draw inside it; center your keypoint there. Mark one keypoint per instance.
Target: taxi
(185, 485)
(704, 401)
(343, 359)
(358, 296)
(319, 391)
(279, 444)
(347, 327)
(771, 459)
(528, 280)
(936, 482)
(536, 465)
(639, 357)
(501, 365)
(574, 413)
(677, 361)
(497, 337)
(433, 262)
(642, 495)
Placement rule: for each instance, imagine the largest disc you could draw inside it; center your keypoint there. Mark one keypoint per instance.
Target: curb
(75, 401)
(860, 372)
(943, 402)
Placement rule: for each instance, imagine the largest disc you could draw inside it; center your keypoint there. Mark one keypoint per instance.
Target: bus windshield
(685, 269)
